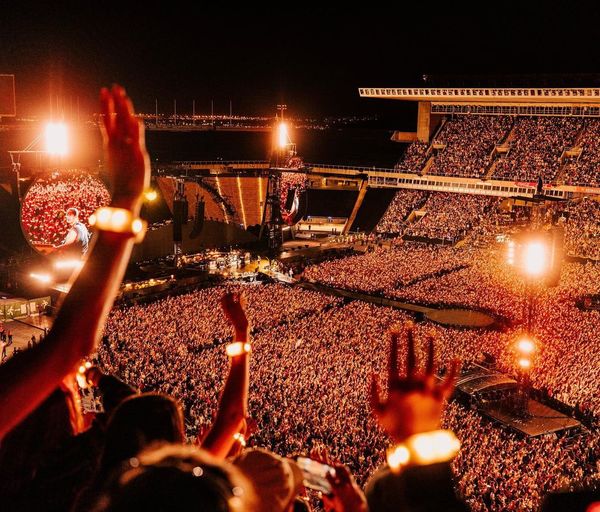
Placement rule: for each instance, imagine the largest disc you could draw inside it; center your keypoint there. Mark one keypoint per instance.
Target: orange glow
(524, 363)
(535, 258)
(44, 278)
(283, 137)
(425, 448)
(150, 195)
(57, 139)
(68, 264)
(526, 346)
(237, 349)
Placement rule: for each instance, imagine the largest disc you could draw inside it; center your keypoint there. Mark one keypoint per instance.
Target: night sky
(313, 59)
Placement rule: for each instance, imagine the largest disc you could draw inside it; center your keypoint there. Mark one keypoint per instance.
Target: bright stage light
(283, 138)
(535, 258)
(57, 139)
(526, 346)
(44, 278)
(524, 363)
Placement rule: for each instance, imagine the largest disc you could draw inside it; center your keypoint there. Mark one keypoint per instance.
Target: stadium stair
(428, 165)
(503, 148)
(361, 195)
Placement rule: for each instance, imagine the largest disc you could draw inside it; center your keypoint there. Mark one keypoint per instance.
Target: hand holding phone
(315, 474)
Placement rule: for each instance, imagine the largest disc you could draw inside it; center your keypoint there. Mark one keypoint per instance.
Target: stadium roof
(580, 96)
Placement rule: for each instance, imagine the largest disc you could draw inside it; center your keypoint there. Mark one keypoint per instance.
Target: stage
(541, 420)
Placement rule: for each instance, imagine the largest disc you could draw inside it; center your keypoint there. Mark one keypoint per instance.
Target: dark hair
(137, 422)
(176, 477)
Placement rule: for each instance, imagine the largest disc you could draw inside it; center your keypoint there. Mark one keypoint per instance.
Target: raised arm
(233, 405)
(27, 379)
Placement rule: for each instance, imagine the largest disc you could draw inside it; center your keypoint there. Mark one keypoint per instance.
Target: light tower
(283, 149)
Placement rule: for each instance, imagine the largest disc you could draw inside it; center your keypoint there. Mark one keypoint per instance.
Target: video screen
(55, 212)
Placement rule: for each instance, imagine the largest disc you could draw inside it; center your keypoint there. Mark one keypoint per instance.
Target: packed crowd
(403, 203)
(413, 158)
(44, 206)
(296, 372)
(309, 377)
(584, 169)
(469, 141)
(383, 270)
(535, 148)
(450, 216)
(536, 145)
(582, 229)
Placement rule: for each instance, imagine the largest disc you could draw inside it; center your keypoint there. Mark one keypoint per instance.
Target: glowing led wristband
(423, 449)
(238, 348)
(239, 437)
(118, 220)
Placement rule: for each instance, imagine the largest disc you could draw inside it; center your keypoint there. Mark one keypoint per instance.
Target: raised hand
(125, 150)
(234, 307)
(414, 403)
(346, 495)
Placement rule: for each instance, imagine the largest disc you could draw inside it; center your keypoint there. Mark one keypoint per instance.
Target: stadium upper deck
(517, 135)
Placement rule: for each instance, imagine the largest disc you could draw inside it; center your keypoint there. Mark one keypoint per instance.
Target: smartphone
(315, 474)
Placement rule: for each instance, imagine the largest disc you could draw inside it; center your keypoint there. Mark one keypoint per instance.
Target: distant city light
(283, 137)
(57, 139)
(535, 258)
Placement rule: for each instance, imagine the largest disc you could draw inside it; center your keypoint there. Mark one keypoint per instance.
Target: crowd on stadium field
(498, 470)
(403, 203)
(44, 207)
(309, 378)
(536, 145)
(469, 141)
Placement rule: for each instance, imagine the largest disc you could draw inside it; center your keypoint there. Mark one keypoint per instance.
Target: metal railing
(517, 110)
(463, 93)
(219, 162)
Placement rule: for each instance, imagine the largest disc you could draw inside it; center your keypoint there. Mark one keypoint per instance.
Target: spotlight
(526, 346)
(57, 139)
(283, 138)
(535, 258)
(525, 363)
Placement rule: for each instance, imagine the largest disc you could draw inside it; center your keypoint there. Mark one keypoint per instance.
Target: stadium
(275, 334)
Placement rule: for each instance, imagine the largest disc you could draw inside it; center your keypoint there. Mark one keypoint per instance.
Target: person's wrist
(423, 449)
(241, 334)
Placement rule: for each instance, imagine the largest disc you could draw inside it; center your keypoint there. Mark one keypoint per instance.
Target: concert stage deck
(542, 420)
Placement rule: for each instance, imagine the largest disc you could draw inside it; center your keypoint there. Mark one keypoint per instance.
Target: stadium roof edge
(580, 96)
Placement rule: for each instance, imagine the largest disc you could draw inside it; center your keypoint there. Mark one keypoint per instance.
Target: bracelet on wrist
(240, 438)
(423, 449)
(238, 348)
(118, 220)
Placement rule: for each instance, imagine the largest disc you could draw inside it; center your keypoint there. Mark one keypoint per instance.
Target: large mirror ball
(44, 212)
